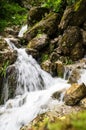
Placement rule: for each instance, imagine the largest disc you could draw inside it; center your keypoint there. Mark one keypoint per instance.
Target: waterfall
(33, 92)
(22, 31)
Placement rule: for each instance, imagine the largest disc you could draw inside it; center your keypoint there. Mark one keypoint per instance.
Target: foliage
(11, 14)
(58, 5)
(3, 68)
(69, 122)
(44, 57)
(68, 61)
(55, 4)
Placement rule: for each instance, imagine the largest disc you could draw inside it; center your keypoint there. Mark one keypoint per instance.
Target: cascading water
(33, 92)
(26, 105)
(22, 31)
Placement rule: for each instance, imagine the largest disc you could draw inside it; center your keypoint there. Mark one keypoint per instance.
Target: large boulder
(36, 14)
(73, 15)
(74, 94)
(71, 43)
(39, 42)
(48, 25)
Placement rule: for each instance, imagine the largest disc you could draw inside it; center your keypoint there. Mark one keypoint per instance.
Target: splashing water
(28, 101)
(22, 31)
(33, 94)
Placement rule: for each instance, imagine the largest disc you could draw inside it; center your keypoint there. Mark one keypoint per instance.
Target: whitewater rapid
(35, 88)
(33, 93)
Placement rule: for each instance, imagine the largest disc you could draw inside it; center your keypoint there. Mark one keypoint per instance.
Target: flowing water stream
(33, 93)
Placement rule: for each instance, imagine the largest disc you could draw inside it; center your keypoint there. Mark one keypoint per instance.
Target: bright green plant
(55, 5)
(58, 5)
(11, 14)
(45, 57)
(3, 69)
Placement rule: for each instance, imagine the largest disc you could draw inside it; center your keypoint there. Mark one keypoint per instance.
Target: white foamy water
(22, 31)
(14, 115)
(33, 92)
(83, 77)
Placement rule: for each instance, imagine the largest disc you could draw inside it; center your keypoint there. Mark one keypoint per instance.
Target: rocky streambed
(58, 43)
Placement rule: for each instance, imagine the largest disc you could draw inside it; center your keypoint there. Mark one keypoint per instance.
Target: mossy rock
(71, 43)
(39, 42)
(74, 15)
(36, 14)
(48, 25)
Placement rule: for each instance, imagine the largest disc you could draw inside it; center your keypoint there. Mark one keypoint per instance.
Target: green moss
(44, 57)
(71, 122)
(3, 68)
(77, 5)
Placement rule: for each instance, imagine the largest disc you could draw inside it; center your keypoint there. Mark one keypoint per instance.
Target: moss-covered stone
(39, 42)
(73, 15)
(36, 14)
(71, 43)
(48, 25)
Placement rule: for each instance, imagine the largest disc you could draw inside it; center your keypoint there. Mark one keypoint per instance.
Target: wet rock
(57, 95)
(84, 36)
(36, 14)
(73, 71)
(1, 85)
(46, 66)
(9, 84)
(73, 15)
(33, 52)
(59, 68)
(71, 43)
(83, 103)
(74, 94)
(48, 25)
(12, 78)
(39, 42)
(16, 42)
(74, 76)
